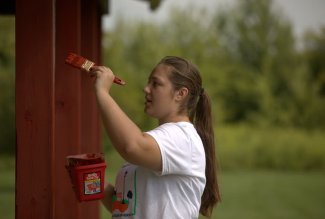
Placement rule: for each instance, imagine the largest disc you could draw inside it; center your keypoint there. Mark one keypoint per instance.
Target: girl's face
(160, 101)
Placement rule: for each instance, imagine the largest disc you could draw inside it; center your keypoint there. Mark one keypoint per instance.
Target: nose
(146, 89)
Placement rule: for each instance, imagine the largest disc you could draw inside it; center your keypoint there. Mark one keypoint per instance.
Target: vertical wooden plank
(90, 129)
(67, 106)
(34, 108)
(90, 35)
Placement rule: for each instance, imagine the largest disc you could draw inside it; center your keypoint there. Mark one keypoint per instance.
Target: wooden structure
(56, 112)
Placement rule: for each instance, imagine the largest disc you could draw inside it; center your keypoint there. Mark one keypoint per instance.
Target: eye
(155, 84)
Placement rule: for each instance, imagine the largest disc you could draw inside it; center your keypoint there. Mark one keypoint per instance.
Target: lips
(148, 100)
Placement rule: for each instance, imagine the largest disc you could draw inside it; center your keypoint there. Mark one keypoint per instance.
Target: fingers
(97, 71)
(104, 77)
(92, 71)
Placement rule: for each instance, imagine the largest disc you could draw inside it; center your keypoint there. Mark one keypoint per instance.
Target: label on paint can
(92, 183)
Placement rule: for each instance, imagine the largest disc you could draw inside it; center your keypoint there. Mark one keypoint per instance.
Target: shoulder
(178, 130)
(180, 133)
(181, 148)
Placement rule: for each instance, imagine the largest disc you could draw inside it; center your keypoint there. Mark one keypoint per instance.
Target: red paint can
(87, 173)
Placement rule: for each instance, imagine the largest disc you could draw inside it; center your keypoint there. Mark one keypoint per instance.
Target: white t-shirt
(173, 193)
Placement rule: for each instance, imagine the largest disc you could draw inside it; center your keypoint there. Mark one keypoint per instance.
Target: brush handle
(118, 81)
(84, 64)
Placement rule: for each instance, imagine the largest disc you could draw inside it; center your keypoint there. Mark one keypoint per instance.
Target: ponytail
(203, 124)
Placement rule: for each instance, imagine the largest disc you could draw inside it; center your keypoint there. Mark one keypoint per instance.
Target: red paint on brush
(85, 64)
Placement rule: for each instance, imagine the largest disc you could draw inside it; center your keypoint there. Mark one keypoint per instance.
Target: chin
(149, 113)
(146, 111)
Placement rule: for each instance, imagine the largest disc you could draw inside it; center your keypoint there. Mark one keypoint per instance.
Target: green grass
(7, 187)
(269, 194)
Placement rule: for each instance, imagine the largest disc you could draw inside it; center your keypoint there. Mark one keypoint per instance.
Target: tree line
(247, 55)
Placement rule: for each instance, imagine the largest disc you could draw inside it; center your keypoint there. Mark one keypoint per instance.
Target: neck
(180, 118)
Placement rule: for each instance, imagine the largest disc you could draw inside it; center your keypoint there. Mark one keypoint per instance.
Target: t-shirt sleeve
(175, 147)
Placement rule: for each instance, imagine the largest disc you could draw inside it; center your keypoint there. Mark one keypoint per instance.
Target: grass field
(7, 188)
(246, 194)
(271, 195)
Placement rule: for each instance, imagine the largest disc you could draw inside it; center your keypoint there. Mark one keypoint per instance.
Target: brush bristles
(85, 64)
(79, 62)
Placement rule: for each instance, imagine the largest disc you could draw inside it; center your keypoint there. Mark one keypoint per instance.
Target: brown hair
(198, 106)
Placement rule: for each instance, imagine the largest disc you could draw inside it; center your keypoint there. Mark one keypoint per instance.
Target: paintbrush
(85, 64)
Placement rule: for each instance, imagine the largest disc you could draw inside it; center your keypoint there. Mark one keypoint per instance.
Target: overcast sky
(304, 14)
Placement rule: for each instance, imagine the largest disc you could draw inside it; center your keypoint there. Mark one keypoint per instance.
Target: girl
(170, 170)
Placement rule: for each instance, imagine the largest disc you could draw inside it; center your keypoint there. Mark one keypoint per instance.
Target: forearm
(107, 200)
(121, 130)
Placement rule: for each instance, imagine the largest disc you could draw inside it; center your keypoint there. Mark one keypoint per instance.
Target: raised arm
(131, 143)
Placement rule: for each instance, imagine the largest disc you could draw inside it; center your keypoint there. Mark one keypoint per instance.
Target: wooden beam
(90, 48)
(67, 106)
(35, 68)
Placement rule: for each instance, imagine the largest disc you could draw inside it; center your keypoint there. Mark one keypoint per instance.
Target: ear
(181, 94)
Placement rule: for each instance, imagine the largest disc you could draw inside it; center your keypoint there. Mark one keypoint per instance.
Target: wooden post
(35, 69)
(67, 106)
(90, 47)
(56, 113)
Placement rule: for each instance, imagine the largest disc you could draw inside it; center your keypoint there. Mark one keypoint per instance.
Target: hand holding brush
(84, 64)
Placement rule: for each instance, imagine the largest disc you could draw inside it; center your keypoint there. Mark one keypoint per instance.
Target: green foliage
(251, 147)
(314, 53)
(259, 42)
(250, 68)
(275, 83)
(310, 95)
(7, 81)
(247, 57)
